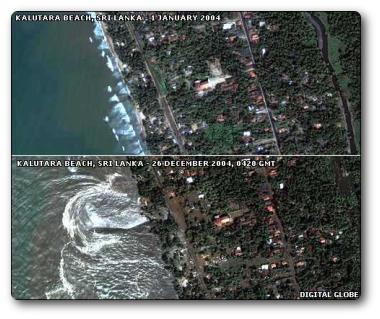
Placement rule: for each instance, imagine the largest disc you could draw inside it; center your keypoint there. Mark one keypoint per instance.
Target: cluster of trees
(227, 275)
(346, 26)
(197, 45)
(321, 224)
(144, 93)
(323, 219)
(294, 74)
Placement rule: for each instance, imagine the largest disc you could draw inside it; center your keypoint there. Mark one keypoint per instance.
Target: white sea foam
(120, 117)
(82, 216)
(114, 98)
(72, 169)
(103, 45)
(108, 251)
(110, 63)
(124, 91)
(67, 286)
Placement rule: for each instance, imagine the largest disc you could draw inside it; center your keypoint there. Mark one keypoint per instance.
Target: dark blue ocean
(65, 98)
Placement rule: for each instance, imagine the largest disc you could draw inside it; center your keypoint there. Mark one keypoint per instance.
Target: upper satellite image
(186, 83)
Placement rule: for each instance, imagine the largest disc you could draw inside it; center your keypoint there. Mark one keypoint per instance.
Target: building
(221, 221)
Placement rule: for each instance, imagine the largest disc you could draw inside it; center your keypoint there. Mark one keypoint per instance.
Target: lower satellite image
(186, 227)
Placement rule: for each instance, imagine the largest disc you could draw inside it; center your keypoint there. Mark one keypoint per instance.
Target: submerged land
(244, 82)
(249, 232)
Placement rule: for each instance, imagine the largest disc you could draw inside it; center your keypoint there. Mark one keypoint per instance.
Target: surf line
(125, 117)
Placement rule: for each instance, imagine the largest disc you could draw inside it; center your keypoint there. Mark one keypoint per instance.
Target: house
(247, 133)
(300, 264)
(266, 197)
(221, 221)
(273, 173)
(192, 172)
(220, 118)
(194, 127)
(228, 25)
(255, 38)
(201, 86)
(232, 38)
(334, 259)
(238, 251)
(283, 130)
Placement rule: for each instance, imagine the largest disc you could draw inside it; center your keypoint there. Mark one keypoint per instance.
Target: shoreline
(138, 113)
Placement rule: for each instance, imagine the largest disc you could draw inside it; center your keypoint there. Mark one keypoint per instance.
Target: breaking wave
(109, 251)
(122, 117)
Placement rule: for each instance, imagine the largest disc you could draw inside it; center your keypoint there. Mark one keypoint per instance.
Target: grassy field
(161, 80)
(335, 45)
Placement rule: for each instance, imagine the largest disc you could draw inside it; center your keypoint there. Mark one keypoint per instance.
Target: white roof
(228, 25)
(247, 133)
(190, 179)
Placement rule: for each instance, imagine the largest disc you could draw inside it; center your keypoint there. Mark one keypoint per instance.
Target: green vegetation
(294, 73)
(206, 71)
(345, 28)
(161, 80)
(327, 216)
(280, 238)
(222, 136)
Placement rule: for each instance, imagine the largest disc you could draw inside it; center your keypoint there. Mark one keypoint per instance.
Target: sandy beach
(140, 116)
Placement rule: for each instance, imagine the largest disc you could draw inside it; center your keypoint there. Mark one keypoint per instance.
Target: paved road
(161, 96)
(261, 88)
(286, 246)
